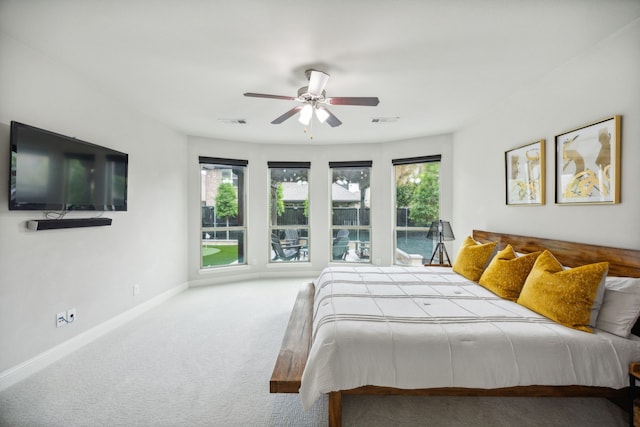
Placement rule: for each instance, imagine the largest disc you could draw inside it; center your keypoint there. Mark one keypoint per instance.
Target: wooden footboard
(291, 361)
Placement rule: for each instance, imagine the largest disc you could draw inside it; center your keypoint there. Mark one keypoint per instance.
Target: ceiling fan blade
(351, 100)
(332, 120)
(264, 95)
(317, 82)
(286, 115)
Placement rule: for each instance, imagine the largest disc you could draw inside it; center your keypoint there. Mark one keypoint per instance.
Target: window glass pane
(289, 244)
(222, 215)
(223, 247)
(351, 244)
(289, 197)
(413, 247)
(417, 204)
(351, 214)
(350, 196)
(289, 214)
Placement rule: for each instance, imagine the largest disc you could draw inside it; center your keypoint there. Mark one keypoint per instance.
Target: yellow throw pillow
(506, 274)
(472, 258)
(565, 296)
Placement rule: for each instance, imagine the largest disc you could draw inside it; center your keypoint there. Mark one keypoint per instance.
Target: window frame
(437, 158)
(334, 229)
(243, 256)
(304, 250)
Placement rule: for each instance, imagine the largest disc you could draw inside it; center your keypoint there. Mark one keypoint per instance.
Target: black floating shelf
(52, 224)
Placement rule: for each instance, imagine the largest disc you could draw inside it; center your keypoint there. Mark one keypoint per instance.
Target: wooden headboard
(622, 262)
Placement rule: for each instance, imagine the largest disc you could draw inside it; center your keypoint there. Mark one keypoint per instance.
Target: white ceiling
(436, 64)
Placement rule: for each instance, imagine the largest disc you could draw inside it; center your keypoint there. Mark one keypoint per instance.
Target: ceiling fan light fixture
(317, 82)
(313, 97)
(322, 114)
(305, 114)
(233, 121)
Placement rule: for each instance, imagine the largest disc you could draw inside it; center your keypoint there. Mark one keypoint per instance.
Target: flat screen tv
(53, 172)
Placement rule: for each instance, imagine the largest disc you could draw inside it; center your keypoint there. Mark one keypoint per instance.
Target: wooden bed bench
(296, 343)
(287, 373)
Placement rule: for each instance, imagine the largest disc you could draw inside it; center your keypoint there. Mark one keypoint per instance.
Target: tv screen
(54, 172)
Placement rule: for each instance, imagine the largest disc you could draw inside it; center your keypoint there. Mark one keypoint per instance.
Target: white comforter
(417, 327)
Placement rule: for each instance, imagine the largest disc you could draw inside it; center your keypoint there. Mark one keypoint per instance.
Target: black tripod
(441, 250)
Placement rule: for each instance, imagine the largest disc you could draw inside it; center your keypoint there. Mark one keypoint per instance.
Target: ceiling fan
(313, 97)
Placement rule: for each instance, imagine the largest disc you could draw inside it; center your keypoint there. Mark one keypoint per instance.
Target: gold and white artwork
(586, 164)
(525, 174)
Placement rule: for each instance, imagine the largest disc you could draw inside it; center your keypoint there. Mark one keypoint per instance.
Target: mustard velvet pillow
(472, 258)
(565, 296)
(506, 274)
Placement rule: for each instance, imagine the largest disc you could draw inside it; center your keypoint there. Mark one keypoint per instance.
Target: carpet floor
(204, 358)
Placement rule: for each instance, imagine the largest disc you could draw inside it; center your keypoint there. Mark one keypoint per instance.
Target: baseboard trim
(222, 279)
(19, 372)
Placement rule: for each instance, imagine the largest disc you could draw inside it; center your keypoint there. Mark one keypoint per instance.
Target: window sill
(298, 264)
(214, 270)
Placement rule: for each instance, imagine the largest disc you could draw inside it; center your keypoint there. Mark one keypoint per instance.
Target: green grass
(213, 255)
(209, 250)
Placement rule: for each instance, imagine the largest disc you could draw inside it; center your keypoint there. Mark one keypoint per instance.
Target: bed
(594, 378)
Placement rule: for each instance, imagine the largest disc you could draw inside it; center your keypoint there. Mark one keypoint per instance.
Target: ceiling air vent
(385, 119)
(233, 121)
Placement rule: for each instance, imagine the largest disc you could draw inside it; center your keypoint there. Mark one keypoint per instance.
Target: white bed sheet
(427, 327)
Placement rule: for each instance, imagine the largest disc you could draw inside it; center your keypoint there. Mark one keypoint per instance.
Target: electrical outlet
(136, 290)
(71, 315)
(61, 319)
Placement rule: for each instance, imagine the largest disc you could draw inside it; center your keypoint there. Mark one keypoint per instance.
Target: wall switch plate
(136, 290)
(71, 315)
(61, 319)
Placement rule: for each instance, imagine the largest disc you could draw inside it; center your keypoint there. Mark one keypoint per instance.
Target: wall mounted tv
(53, 172)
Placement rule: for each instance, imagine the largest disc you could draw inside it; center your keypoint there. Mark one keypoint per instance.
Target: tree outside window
(226, 203)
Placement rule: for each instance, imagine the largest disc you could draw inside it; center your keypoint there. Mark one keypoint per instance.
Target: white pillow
(598, 301)
(621, 305)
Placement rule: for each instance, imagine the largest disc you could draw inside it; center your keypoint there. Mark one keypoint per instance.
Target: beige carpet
(204, 358)
(415, 411)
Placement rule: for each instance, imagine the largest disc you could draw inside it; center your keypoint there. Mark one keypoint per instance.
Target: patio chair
(291, 237)
(284, 253)
(340, 248)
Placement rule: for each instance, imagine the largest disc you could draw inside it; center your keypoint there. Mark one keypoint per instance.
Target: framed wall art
(588, 163)
(525, 172)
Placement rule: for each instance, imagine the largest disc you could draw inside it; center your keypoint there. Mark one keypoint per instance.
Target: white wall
(600, 83)
(91, 269)
(258, 245)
